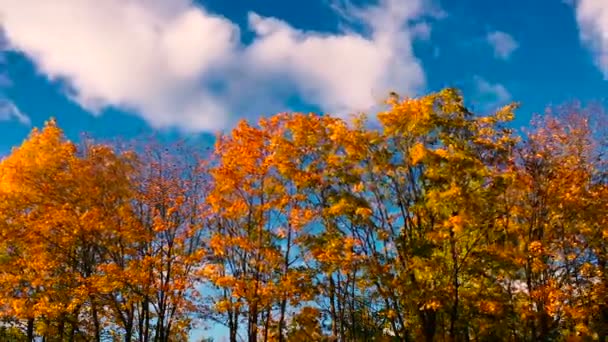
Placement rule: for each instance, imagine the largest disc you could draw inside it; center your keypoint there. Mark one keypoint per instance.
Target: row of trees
(426, 223)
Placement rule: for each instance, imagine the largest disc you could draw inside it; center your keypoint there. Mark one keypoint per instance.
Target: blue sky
(126, 68)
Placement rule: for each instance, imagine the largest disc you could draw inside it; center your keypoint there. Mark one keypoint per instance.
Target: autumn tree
(425, 222)
(170, 207)
(154, 293)
(392, 212)
(410, 198)
(260, 218)
(559, 215)
(59, 207)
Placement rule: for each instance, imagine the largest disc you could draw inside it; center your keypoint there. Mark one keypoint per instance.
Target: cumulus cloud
(592, 19)
(175, 64)
(490, 95)
(342, 72)
(502, 43)
(146, 56)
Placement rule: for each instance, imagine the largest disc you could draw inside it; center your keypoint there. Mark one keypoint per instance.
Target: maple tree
(97, 242)
(558, 218)
(169, 206)
(395, 195)
(255, 258)
(57, 205)
(426, 222)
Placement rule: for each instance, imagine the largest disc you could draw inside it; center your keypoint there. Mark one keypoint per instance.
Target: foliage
(426, 222)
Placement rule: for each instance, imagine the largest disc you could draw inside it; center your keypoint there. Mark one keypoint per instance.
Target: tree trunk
(61, 327)
(253, 325)
(455, 284)
(332, 300)
(233, 326)
(146, 319)
(30, 329)
(429, 324)
(129, 324)
(267, 324)
(96, 323)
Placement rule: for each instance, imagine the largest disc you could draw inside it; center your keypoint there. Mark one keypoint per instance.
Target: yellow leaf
(417, 153)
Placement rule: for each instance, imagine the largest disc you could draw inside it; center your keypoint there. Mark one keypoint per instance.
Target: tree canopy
(424, 222)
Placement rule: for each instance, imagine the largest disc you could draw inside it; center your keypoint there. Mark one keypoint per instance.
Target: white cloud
(502, 43)
(421, 30)
(8, 112)
(144, 55)
(490, 95)
(342, 72)
(5, 81)
(176, 64)
(592, 19)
